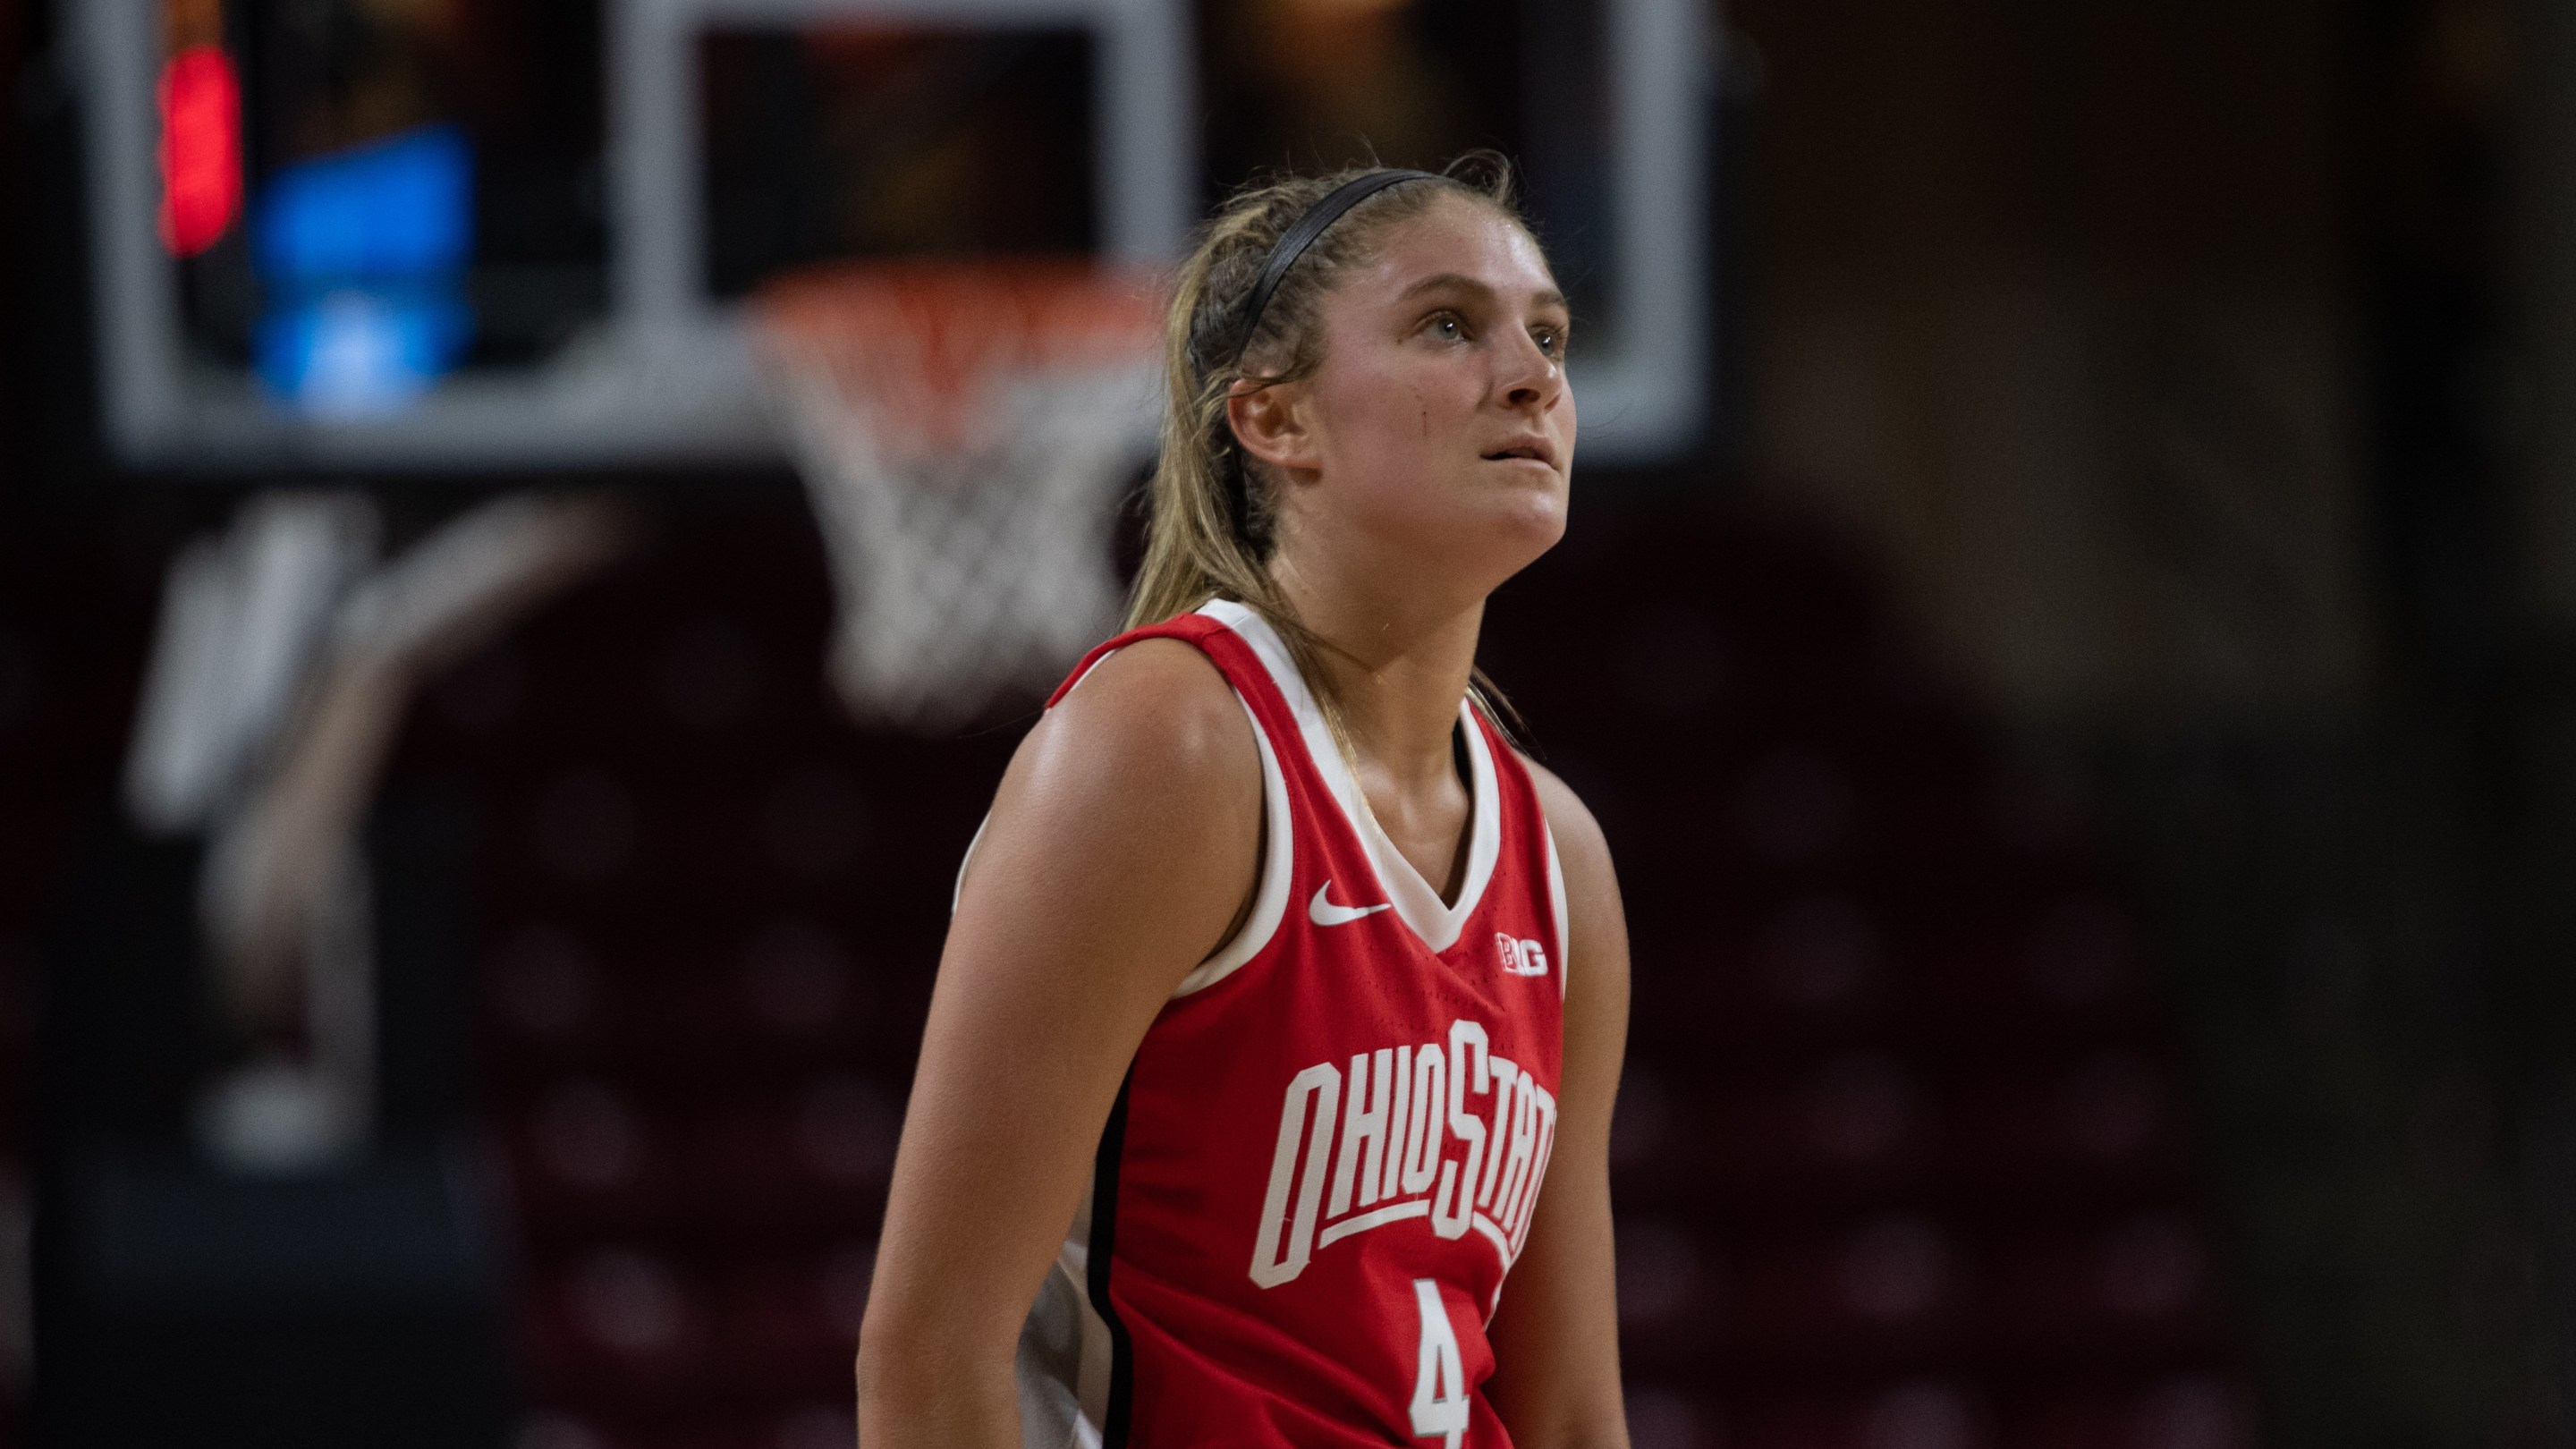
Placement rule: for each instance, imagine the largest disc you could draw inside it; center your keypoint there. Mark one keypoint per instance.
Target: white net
(963, 434)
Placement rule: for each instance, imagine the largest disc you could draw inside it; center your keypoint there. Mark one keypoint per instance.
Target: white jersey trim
(1062, 1363)
(1270, 897)
(957, 892)
(1416, 902)
(1556, 907)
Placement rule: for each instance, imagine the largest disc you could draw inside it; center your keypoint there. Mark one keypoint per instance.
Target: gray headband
(1301, 234)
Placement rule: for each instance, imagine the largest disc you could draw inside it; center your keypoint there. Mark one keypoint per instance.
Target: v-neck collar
(1416, 901)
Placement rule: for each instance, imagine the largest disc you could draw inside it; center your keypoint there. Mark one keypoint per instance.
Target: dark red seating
(1902, 1161)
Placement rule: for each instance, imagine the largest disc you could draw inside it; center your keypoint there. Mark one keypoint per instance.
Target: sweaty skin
(1424, 463)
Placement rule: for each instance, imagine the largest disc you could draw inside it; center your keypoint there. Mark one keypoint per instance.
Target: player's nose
(1531, 376)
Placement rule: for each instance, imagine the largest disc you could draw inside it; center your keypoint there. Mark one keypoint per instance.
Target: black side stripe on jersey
(1104, 1225)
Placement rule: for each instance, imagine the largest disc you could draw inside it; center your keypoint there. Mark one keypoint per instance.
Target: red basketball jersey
(1327, 1151)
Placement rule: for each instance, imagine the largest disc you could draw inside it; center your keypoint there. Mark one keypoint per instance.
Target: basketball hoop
(961, 429)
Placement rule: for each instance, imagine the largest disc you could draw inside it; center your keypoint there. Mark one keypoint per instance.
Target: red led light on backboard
(201, 162)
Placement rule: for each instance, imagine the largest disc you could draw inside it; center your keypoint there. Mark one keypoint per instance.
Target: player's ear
(1270, 424)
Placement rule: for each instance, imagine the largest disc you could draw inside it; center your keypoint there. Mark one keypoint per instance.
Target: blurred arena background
(2067, 625)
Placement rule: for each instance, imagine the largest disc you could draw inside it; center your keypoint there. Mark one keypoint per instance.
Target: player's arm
(1122, 845)
(1556, 1335)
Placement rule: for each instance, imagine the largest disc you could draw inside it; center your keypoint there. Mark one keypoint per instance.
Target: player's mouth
(1535, 450)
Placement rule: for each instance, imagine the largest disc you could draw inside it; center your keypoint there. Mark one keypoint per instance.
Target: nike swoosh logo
(1324, 913)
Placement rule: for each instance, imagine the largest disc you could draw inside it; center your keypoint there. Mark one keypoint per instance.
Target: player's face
(1440, 423)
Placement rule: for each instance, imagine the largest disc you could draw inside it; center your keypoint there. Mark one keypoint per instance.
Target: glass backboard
(460, 234)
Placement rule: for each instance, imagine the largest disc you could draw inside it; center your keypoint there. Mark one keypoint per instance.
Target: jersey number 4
(1439, 1378)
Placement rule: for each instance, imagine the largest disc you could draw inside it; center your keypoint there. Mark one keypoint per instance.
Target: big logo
(1521, 956)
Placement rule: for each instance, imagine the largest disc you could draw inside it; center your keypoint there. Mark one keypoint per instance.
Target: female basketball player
(1284, 1002)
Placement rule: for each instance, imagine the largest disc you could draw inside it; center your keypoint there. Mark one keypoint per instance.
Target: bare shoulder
(1134, 805)
(1596, 924)
(1156, 714)
(1124, 833)
(1580, 845)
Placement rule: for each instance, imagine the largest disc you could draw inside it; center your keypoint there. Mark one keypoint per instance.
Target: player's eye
(1446, 326)
(1551, 340)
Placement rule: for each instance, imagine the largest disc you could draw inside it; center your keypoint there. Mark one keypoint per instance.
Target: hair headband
(1301, 234)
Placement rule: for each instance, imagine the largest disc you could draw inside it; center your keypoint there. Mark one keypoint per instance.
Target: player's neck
(1399, 664)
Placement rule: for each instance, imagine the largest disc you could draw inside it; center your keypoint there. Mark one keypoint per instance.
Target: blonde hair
(1209, 533)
